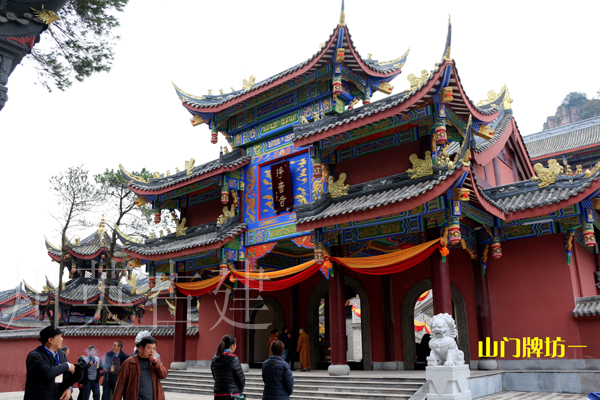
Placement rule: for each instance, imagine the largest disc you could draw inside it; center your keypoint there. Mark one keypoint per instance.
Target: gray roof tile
(564, 138)
(527, 195)
(10, 293)
(232, 159)
(196, 236)
(102, 330)
(587, 306)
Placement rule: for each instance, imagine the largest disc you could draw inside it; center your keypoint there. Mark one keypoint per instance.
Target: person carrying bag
(227, 371)
(277, 375)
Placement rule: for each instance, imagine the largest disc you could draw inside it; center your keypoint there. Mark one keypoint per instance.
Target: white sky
(542, 50)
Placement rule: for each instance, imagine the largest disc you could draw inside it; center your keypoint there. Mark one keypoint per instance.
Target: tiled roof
(25, 323)
(376, 193)
(587, 306)
(90, 245)
(232, 159)
(335, 120)
(196, 236)
(527, 195)
(482, 144)
(564, 138)
(327, 55)
(10, 293)
(85, 289)
(102, 330)
(22, 307)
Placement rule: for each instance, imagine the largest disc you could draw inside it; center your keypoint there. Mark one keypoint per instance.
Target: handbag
(240, 396)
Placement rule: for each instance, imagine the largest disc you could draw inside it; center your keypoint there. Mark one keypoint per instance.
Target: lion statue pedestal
(446, 371)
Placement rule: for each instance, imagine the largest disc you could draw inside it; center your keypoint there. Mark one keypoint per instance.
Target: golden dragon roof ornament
(191, 96)
(395, 60)
(46, 16)
(493, 99)
(132, 176)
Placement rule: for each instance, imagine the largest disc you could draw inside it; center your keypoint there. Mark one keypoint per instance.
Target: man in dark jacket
(284, 338)
(277, 376)
(48, 370)
(113, 361)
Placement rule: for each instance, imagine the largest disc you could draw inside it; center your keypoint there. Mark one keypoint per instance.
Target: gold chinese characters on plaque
(282, 186)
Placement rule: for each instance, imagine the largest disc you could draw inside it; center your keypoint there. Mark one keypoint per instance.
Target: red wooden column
(484, 312)
(179, 340)
(388, 324)
(337, 315)
(239, 317)
(440, 278)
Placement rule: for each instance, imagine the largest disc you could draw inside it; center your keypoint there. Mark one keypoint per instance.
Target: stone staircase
(306, 387)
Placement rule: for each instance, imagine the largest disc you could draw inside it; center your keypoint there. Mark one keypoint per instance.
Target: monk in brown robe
(304, 350)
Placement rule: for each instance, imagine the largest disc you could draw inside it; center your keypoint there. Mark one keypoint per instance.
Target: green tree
(120, 205)
(81, 42)
(76, 196)
(576, 99)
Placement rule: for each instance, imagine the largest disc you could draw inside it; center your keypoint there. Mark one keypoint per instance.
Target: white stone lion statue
(444, 350)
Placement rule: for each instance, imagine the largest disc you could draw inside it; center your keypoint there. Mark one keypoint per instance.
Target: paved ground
(497, 396)
(534, 395)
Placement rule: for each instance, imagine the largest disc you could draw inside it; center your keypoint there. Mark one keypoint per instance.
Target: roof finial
(449, 20)
(342, 15)
(446, 55)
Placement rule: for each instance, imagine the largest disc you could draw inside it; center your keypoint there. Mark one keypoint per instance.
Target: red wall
(209, 332)
(377, 165)
(506, 173)
(205, 212)
(13, 374)
(531, 292)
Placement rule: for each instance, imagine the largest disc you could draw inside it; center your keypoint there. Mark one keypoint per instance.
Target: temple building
(573, 145)
(82, 297)
(21, 24)
(329, 203)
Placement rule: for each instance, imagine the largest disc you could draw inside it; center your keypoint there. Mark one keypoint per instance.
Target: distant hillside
(575, 107)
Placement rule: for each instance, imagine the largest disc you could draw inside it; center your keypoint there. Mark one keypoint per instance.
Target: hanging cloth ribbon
(392, 262)
(270, 286)
(198, 288)
(273, 274)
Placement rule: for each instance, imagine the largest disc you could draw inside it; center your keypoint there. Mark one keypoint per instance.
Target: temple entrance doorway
(358, 350)
(267, 312)
(417, 312)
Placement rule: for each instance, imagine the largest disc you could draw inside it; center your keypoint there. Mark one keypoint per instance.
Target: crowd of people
(50, 375)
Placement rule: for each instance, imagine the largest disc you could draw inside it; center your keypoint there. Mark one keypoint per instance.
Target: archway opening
(266, 314)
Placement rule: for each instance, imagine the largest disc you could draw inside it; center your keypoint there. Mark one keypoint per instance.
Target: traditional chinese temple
(327, 196)
(82, 297)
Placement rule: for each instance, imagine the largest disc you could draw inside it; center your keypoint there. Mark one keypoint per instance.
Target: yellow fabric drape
(200, 284)
(273, 274)
(384, 260)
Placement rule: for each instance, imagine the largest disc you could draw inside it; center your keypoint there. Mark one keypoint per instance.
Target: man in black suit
(49, 374)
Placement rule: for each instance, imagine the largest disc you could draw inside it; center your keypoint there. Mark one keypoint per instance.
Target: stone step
(253, 394)
(308, 380)
(298, 387)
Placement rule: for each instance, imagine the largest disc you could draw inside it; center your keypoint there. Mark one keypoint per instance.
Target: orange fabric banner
(273, 274)
(399, 260)
(198, 288)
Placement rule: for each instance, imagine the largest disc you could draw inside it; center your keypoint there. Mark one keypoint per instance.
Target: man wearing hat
(49, 374)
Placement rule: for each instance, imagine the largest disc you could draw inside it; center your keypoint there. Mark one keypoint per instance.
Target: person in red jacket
(140, 375)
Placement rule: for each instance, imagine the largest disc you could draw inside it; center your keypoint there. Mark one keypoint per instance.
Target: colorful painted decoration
(319, 253)
(214, 136)
(440, 132)
(225, 191)
(157, 217)
(496, 246)
(454, 230)
(337, 86)
(588, 228)
(446, 96)
(317, 169)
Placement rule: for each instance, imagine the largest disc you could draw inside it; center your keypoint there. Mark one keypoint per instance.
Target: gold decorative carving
(369, 56)
(132, 284)
(156, 175)
(462, 194)
(589, 173)
(342, 18)
(493, 98)
(546, 176)
(226, 215)
(232, 89)
(221, 91)
(247, 84)
(132, 176)
(78, 242)
(353, 103)
(339, 55)
(301, 199)
(189, 166)
(236, 201)
(316, 116)
(417, 82)
(337, 188)
(153, 235)
(181, 228)
(46, 16)
(161, 233)
(420, 167)
(447, 55)
(386, 88)
(196, 120)
(303, 119)
(579, 170)
(569, 170)
(394, 61)
(127, 237)
(168, 173)
(177, 170)
(210, 92)
(596, 204)
(321, 45)
(191, 96)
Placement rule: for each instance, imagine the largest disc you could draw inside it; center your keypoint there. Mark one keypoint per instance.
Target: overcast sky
(542, 50)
